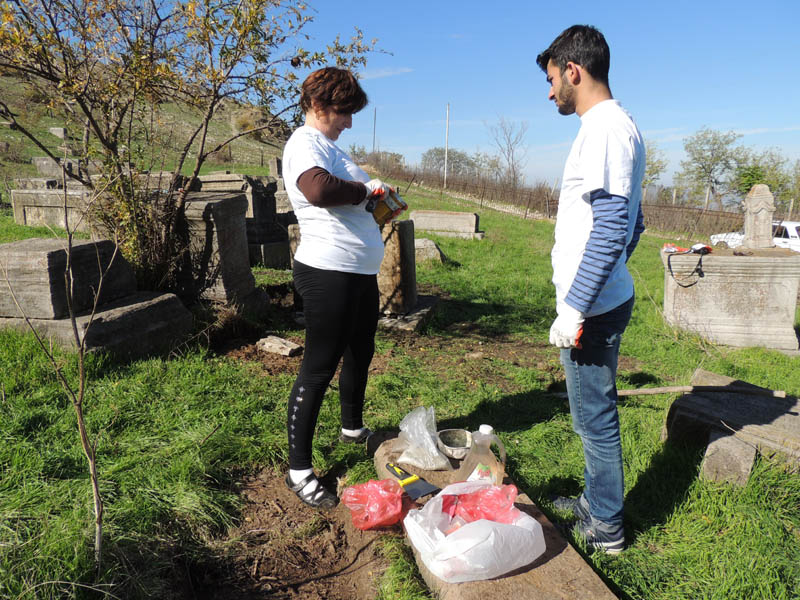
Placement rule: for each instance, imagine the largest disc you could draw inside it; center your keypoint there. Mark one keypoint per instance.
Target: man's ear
(572, 72)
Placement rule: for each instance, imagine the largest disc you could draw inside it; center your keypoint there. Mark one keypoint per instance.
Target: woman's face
(331, 123)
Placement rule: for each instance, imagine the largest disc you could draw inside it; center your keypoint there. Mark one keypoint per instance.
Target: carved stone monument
(737, 298)
(759, 206)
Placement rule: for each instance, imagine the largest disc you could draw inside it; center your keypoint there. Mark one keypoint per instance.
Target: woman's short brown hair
(332, 88)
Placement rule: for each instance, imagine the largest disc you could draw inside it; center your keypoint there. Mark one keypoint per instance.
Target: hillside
(172, 127)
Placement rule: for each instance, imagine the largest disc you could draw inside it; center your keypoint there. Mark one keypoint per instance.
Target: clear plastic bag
(457, 551)
(418, 432)
(375, 503)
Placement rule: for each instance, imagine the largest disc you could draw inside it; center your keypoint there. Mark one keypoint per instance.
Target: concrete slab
(559, 574)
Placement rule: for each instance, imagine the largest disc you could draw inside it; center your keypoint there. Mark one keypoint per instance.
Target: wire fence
(541, 201)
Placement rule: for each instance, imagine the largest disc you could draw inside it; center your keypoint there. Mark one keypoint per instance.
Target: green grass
(176, 435)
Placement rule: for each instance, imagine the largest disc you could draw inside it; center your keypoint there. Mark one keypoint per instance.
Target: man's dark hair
(332, 88)
(581, 44)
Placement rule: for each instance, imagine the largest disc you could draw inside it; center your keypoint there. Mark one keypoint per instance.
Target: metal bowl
(454, 443)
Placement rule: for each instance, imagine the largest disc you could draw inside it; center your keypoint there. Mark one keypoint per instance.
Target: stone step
(559, 574)
(35, 270)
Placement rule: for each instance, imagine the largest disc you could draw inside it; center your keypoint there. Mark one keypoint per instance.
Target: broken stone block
(734, 424)
(278, 345)
(425, 249)
(35, 268)
(727, 458)
(140, 324)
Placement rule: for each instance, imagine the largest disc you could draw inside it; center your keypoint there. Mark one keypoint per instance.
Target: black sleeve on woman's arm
(323, 189)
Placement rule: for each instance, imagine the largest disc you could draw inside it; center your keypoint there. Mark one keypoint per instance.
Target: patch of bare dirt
(284, 549)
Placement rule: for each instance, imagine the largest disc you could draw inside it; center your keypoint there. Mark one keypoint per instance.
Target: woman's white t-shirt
(338, 238)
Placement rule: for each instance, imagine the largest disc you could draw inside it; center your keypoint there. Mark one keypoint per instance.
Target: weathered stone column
(759, 206)
(397, 278)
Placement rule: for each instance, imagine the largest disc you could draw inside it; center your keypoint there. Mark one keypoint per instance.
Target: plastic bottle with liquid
(481, 462)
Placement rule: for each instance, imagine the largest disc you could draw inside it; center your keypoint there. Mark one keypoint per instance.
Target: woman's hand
(377, 188)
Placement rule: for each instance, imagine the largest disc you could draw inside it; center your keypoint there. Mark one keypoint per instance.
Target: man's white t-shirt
(607, 154)
(338, 238)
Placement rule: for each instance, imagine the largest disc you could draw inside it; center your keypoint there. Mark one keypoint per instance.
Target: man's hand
(376, 188)
(566, 329)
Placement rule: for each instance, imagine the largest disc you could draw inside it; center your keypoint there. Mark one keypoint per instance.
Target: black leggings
(341, 314)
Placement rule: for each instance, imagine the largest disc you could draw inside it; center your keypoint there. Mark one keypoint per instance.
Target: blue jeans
(591, 385)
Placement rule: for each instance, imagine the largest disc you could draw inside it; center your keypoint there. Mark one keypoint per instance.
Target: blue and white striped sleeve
(637, 232)
(603, 249)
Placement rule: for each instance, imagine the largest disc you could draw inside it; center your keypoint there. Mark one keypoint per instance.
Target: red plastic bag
(494, 503)
(375, 503)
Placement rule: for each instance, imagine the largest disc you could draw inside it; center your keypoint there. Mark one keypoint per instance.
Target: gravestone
(47, 205)
(397, 278)
(36, 267)
(425, 249)
(221, 265)
(734, 424)
(447, 223)
(59, 132)
(267, 240)
(759, 206)
(126, 322)
(734, 300)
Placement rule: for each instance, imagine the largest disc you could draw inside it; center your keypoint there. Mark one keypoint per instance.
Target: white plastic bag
(418, 432)
(479, 550)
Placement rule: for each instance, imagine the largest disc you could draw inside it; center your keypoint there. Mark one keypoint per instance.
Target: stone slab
(138, 325)
(738, 301)
(445, 221)
(414, 319)
(559, 574)
(727, 459)
(425, 249)
(35, 270)
(46, 207)
(752, 421)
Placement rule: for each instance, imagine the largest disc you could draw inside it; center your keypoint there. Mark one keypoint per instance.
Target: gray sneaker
(598, 538)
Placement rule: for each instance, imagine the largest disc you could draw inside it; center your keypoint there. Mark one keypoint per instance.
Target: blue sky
(677, 66)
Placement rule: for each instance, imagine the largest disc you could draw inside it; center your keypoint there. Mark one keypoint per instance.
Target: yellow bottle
(481, 462)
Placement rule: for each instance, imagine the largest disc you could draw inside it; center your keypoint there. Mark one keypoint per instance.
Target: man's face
(562, 92)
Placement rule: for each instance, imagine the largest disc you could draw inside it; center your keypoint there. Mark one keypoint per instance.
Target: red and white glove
(377, 188)
(566, 330)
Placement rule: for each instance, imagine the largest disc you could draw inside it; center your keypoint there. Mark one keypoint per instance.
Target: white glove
(377, 188)
(566, 329)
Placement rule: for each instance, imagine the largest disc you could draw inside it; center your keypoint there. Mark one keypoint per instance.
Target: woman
(335, 267)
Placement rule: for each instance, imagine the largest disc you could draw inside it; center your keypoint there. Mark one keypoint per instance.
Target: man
(597, 228)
